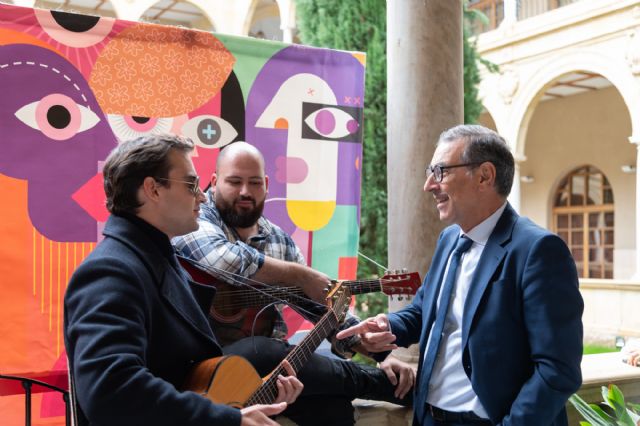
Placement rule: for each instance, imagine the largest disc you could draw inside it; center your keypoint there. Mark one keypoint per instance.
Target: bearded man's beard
(242, 219)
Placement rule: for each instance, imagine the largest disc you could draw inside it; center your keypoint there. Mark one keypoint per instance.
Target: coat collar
(161, 263)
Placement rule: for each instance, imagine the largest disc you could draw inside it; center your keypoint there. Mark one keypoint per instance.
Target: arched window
(583, 217)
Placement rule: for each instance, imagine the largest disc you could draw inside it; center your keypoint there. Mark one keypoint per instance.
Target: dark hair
(131, 162)
(483, 145)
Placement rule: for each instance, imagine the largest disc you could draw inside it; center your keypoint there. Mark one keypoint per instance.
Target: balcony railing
(494, 10)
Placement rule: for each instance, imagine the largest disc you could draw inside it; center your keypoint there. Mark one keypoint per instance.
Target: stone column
(510, 12)
(515, 197)
(636, 141)
(424, 97)
(287, 33)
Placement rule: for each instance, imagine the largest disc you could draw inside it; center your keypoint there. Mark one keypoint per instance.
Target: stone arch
(282, 5)
(134, 10)
(610, 67)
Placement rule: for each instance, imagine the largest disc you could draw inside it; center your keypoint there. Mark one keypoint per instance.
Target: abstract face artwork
(74, 86)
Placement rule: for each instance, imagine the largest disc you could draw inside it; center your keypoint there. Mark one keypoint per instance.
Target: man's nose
(200, 198)
(430, 184)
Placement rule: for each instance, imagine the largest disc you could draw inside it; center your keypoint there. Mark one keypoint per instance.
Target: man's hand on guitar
(289, 387)
(258, 415)
(400, 374)
(374, 332)
(315, 284)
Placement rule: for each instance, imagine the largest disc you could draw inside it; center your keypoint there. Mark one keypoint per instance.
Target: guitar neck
(252, 299)
(268, 392)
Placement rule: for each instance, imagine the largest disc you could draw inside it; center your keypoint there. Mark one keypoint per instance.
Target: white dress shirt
(450, 388)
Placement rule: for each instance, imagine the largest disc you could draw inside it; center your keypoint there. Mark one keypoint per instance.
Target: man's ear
(266, 183)
(487, 174)
(214, 179)
(149, 189)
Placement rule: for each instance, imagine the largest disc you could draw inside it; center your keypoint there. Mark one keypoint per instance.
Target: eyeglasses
(438, 170)
(194, 185)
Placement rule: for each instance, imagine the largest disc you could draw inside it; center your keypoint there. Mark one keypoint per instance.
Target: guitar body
(229, 380)
(232, 312)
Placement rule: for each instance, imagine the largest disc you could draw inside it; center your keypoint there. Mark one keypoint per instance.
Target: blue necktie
(464, 243)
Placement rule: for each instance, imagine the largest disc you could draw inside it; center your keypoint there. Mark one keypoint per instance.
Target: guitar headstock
(338, 299)
(400, 283)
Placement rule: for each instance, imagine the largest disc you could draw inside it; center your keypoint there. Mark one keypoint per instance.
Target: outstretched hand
(374, 332)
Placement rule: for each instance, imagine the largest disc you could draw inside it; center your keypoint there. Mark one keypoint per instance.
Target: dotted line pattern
(66, 77)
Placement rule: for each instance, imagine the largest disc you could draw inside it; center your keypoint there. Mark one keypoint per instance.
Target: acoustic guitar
(233, 381)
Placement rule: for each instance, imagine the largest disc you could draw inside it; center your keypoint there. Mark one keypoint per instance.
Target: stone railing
(610, 309)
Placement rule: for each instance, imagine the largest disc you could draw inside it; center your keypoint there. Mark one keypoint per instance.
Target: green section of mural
(338, 239)
(250, 58)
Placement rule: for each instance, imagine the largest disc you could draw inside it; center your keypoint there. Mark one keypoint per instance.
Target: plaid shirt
(217, 245)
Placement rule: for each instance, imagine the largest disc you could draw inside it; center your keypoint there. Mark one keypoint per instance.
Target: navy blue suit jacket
(521, 329)
(133, 329)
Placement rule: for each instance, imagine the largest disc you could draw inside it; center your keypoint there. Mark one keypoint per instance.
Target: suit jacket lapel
(492, 256)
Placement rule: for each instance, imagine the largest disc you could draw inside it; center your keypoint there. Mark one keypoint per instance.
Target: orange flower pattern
(164, 71)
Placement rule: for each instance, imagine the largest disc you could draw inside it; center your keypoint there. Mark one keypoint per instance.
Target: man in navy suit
(134, 324)
(498, 317)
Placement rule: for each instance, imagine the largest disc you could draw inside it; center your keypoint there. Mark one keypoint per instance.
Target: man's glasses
(194, 185)
(438, 170)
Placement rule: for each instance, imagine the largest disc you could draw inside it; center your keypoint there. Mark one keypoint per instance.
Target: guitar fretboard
(268, 392)
(244, 298)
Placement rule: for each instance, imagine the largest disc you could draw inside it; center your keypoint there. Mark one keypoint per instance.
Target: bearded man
(235, 239)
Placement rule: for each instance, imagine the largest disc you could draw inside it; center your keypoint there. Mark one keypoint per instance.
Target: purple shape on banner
(352, 126)
(345, 76)
(53, 135)
(325, 122)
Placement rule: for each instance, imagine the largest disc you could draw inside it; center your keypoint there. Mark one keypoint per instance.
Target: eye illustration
(127, 127)
(332, 123)
(57, 116)
(74, 30)
(209, 131)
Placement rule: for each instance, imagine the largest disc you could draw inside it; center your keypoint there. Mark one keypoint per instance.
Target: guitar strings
(249, 297)
(267, 393)
(241, 281)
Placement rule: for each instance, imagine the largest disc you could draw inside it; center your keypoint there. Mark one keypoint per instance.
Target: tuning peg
(400, 298)
(405, 270)
(387, 272)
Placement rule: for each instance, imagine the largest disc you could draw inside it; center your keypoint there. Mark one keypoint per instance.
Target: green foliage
(598, 349)
(612, 411)
(361, 25)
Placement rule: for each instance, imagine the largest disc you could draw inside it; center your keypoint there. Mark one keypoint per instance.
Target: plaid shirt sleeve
(211, 247)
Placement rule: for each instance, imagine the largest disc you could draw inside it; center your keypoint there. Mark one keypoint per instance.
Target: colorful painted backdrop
(72, 86)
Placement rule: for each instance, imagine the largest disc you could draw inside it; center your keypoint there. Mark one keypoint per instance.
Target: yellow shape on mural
(310, 215)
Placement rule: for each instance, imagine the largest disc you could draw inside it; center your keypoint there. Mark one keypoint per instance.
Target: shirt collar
(480, 233)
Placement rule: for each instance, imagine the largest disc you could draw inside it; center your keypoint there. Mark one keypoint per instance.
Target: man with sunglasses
(498, 317)
(134, 324)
